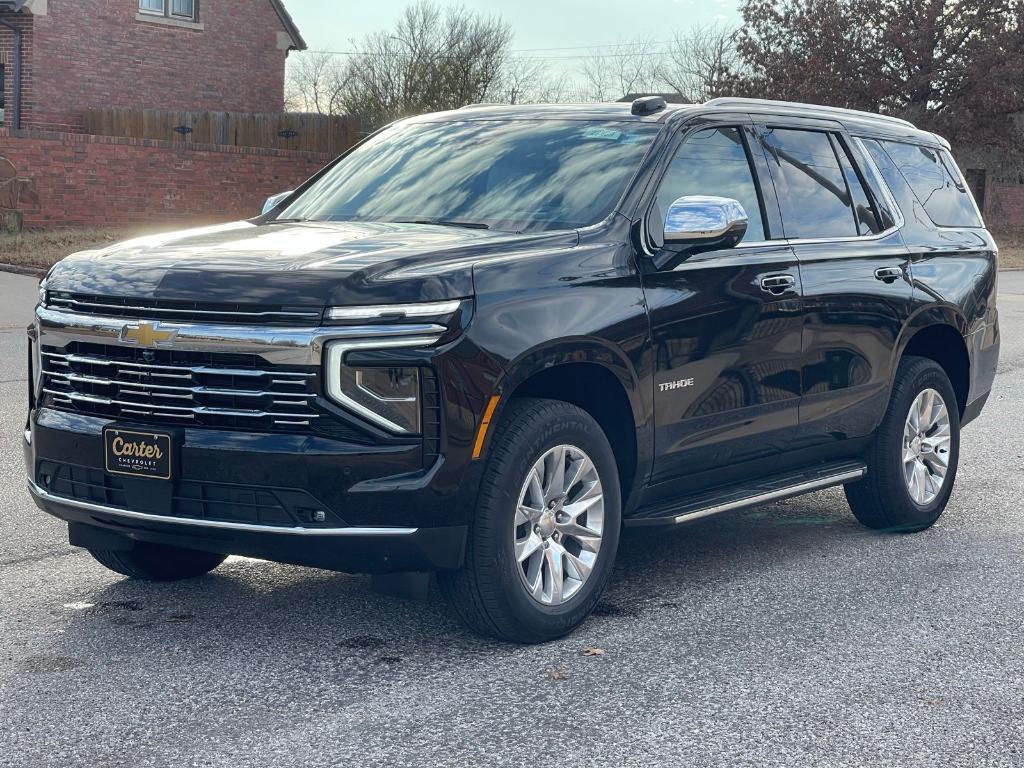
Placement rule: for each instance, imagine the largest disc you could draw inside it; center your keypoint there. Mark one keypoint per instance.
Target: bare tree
(630, 67)
(700, 61)
(431, 60)
(314, 83)
(525, 80)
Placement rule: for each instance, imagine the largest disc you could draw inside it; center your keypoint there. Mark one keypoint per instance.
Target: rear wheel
(158, 562)
(546, 531)
(913, 459)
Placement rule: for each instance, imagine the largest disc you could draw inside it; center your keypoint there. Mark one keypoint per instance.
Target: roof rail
(483, 104)
(729, 101)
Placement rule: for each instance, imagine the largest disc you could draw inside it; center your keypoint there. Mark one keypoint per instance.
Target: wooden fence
(329, 134)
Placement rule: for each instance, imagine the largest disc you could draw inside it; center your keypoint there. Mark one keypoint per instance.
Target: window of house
(174, 9)
(936, 182)
(815, 199)
(714, 162)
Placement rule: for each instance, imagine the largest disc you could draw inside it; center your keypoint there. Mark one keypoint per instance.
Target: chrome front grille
(227, 390)
(183, 311)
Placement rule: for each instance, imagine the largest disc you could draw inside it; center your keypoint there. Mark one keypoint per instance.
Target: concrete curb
(20, 270)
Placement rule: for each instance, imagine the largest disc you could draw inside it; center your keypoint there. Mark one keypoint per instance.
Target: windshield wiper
(446, 223)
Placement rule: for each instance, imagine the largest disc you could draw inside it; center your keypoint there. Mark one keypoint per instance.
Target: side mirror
(274, 200)
(704, 222)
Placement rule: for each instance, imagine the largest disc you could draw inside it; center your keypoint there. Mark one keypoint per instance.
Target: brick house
(226, 55)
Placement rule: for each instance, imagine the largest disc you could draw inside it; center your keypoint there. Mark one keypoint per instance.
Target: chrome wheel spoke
(528, 546)
(558, 525)
(576, 472)
(525, 514)
(554, 473)
(578, 568)
(555, 575)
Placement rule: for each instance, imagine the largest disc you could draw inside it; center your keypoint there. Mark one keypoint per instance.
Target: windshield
(509, 175)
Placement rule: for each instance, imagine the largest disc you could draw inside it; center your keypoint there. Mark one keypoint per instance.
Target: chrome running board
(750, 495)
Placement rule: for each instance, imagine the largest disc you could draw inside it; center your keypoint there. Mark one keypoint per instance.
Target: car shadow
(332, 614)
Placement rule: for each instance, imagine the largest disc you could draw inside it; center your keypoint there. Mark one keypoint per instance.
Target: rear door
(726, 324)
(857, 291)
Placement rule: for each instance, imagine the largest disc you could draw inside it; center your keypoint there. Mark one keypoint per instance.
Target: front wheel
(158, 562)
(546, 531)
(913, 458)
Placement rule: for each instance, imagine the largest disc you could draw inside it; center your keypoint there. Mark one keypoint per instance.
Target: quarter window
(714, 162)
(936, 182)
(815, 199)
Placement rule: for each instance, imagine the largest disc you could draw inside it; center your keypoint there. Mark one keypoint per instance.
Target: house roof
(286, 18)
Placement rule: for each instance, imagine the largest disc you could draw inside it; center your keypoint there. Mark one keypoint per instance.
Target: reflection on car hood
(307, 263)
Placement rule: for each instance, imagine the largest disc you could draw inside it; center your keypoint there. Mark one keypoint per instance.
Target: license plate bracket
(139, 453)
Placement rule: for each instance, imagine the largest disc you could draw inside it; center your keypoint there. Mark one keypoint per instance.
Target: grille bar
(195, 410)
(180, 310)
(197, 390)
(200, 369)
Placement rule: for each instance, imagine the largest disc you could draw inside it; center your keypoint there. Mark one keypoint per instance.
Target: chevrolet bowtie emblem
(148, 335)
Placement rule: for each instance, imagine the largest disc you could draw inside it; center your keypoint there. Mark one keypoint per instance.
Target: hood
(307, 263)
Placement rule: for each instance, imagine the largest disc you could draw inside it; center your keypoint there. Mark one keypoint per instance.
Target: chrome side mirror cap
(699, 220)
(274, 200)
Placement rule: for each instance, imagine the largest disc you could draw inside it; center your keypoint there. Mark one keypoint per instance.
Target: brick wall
(97, 53)
(74, 180)
(1004, 206)
(23, 22)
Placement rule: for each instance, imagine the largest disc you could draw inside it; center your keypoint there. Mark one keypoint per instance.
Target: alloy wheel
(559, 524)
(926, 446)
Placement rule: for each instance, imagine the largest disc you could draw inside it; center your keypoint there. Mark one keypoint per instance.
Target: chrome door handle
(777, 284)
(888, 274)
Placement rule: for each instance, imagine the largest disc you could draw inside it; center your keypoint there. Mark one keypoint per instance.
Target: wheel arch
(596, 378)
(938, 334)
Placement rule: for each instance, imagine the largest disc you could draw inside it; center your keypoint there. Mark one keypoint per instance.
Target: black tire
(488, 592)
(158, 562)
(882, 499)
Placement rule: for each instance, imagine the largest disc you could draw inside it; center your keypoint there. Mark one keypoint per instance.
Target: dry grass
(40, 250)
(1011, 248)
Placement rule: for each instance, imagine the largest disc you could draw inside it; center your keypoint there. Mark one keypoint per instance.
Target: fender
(606, 356)
(943, 314)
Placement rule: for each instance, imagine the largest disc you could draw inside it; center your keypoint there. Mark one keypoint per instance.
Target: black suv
(482, 342)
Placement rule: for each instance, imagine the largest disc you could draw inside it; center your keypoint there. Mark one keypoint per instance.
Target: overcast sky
(548, 24)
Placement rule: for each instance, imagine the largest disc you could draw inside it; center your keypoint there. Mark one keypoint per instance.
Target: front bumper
(290, 498)
(356, 549)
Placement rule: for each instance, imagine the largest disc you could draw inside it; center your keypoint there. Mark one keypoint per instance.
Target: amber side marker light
(482, 432)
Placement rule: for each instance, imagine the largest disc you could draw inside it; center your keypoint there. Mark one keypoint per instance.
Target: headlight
(42, 293)
(388, 396)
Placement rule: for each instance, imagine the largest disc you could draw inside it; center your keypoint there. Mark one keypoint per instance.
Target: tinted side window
(863, 208)
(812, 189)
(932, 175)
(867, 160)
(714, 162)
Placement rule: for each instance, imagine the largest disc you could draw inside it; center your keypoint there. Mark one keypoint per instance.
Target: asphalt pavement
(783, 636)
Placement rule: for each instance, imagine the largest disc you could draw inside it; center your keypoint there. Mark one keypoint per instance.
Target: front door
(725, 324)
